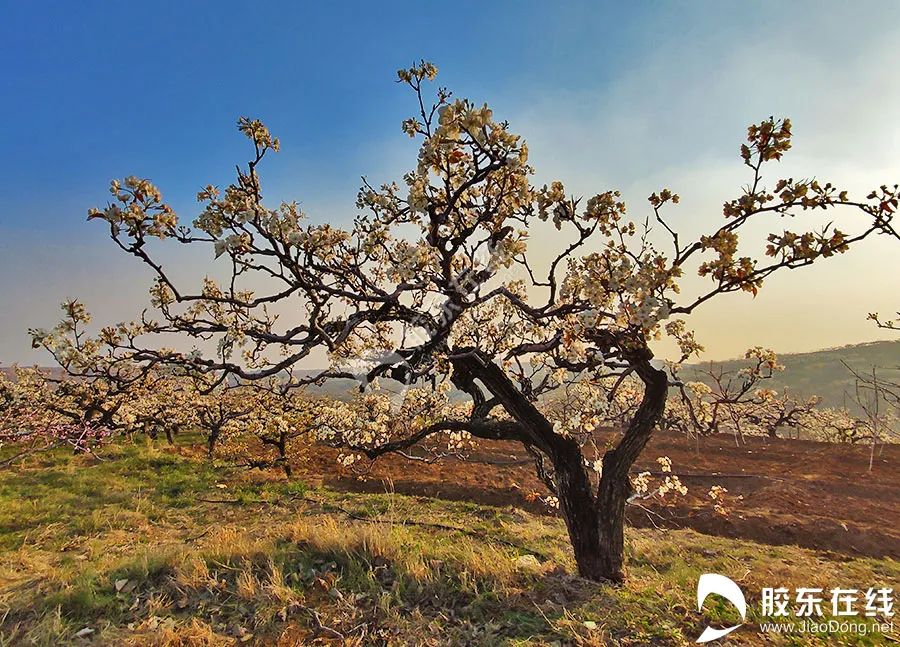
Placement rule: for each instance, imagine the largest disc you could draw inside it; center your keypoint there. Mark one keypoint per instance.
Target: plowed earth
(792, 492)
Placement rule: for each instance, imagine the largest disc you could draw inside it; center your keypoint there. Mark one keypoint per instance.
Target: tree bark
(211, 442)
(596, 524)
(578, 506)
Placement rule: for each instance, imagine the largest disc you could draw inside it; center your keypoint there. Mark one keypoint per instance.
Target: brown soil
(810, 494)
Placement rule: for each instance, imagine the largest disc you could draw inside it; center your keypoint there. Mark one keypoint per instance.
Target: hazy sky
(634, 96)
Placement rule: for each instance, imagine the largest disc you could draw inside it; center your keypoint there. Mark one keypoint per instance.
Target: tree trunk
(611, 501)
(211, 442)
(579, 509)
(596, 525)
(282, 455)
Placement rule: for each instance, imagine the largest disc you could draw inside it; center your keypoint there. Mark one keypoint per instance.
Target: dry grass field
(151, 546)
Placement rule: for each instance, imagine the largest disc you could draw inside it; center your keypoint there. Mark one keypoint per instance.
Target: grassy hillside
(151, 547)
(822, 372)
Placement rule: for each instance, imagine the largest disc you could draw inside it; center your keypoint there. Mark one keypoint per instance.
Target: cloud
(676, 117)
(658, 99)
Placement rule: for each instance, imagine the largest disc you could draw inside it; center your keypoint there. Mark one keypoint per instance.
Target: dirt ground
(810, 494)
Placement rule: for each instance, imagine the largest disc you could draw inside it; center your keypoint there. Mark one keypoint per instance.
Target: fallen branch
(319, 628)
(196, 537)
(231, 501)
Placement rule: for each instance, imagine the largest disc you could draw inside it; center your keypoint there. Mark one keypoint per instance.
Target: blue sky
(609, 95)
(110, 86)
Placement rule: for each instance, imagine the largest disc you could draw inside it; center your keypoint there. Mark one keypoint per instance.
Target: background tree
(838, 425)
(433, 282)
(877, 393)
(34, 419)
(280, 422)
(736, 401)
(878, 399)
(219, 412)
(107, 389)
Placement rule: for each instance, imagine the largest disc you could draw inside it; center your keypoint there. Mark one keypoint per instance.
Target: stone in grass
(125, 586)
(528, 563)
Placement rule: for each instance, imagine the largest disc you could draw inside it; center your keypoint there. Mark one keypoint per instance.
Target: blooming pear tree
(889, 205)
(219, 413)
(435, 281)
(103, 387)
(272, 429)
(837, 425)
(34, 419)
(736, 401)
(876, 392)
(376, 421)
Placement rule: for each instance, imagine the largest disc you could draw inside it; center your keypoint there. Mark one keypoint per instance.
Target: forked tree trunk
(595, 521)
(596, 528)
(596, 524)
